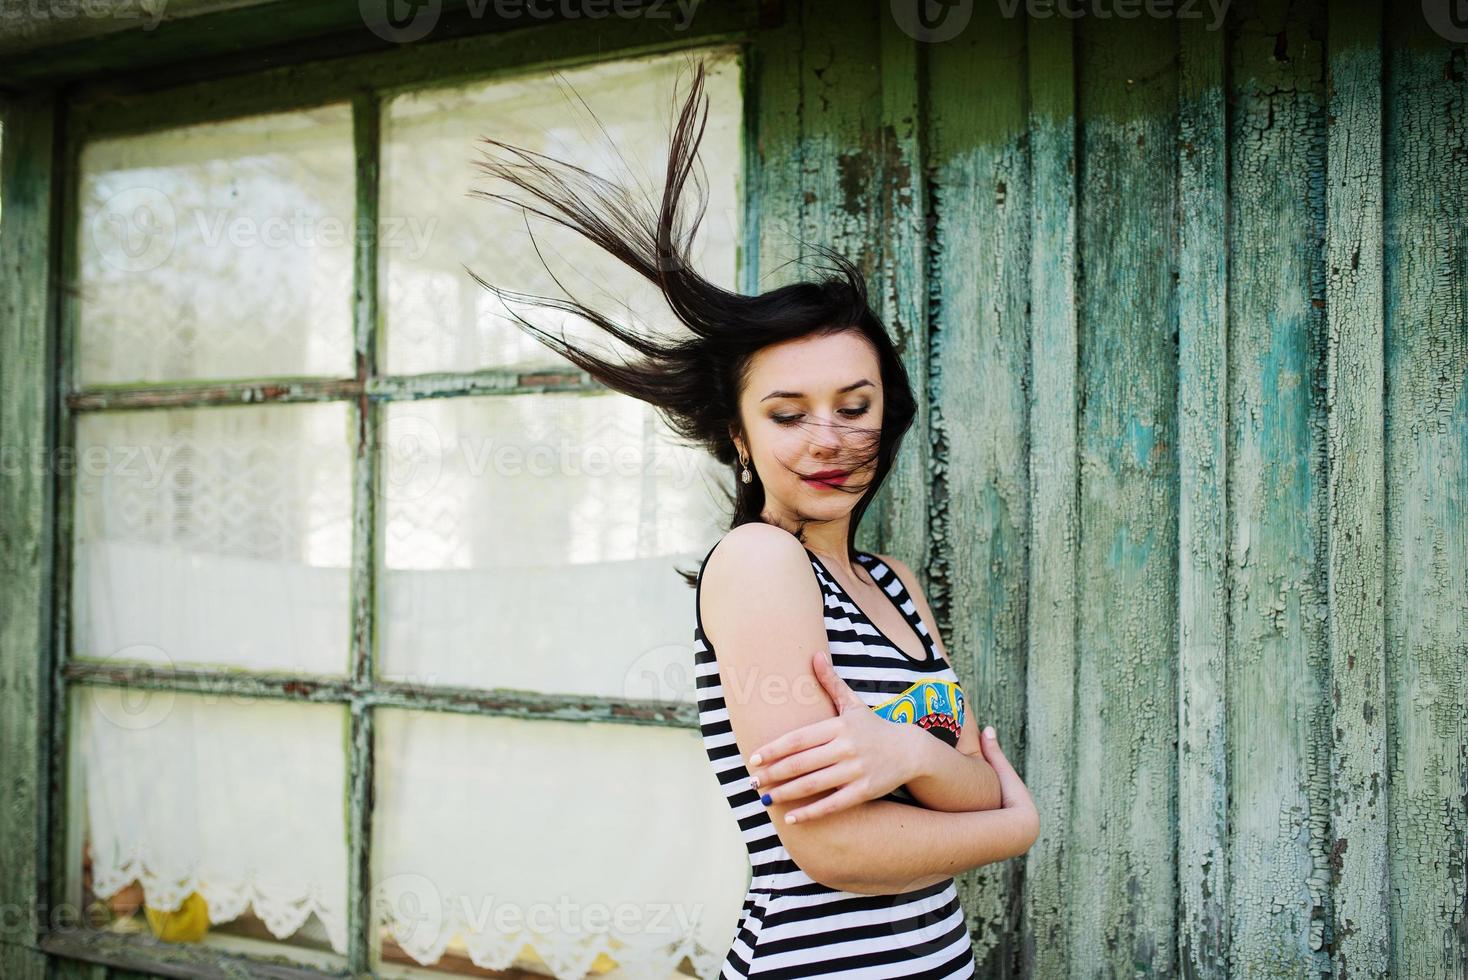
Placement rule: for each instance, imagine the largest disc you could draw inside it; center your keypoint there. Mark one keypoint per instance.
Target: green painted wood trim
(1279, 715)
(27, 404)
(1203, 467)
(496, 702)
(1356, 494)
(247, 38)
(1051, 694)
(145, 958)
(159, 38)
(63, 859)
(490, 381)
(113, 108)
(978, 175)
(368, 525)
(1425, 215)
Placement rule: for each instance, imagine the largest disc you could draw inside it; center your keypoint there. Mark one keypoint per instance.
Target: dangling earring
(745, 476)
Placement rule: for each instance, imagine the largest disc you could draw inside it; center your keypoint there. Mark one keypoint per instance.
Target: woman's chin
(827, 502)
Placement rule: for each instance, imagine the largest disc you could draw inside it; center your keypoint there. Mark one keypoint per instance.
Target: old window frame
(367, 81)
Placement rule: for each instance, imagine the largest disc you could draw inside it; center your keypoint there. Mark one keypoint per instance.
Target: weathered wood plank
(1202, 504)
(774, 112)
(901, 512)
(1122, 897)
(26, 485)
(1356, 495)
(1279, 716)
(841, 126)
(1054, 478)
(843, 175)
(1426, 311)
(978, 171)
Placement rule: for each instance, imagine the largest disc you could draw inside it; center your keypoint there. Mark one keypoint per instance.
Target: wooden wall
(1190, 307)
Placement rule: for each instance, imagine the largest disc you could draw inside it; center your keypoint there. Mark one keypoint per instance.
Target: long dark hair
(694, 381)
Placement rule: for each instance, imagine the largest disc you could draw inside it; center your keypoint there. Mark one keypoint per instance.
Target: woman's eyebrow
(796, 394)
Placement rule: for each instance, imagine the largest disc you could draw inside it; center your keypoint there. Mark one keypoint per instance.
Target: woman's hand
(861, 754)
(1014, 796)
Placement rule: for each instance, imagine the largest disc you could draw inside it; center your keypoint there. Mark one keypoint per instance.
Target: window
(372, 597)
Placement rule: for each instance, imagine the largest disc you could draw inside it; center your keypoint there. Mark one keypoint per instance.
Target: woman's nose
(825, 437)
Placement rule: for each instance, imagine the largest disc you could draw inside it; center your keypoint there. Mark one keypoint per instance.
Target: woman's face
(810, 407)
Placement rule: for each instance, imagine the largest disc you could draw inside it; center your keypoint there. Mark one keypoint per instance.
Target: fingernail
(989, 731)
(754, 759)
(765, 799)
(754, 782)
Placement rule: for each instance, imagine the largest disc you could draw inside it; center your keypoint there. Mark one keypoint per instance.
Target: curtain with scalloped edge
(243, 803)
(491, 834)
(574, 838)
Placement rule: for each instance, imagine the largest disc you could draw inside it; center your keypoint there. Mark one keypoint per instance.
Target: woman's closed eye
(851, 413)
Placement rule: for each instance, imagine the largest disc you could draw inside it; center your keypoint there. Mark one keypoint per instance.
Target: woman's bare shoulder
(758, 572)
(753, 546)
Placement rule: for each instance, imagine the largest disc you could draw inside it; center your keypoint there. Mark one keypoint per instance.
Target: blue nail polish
(765, 799)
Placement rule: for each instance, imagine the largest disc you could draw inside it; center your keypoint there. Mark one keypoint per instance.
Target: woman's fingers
(1012, 789)
(810, 784)
(781, 773)
(1014, 795)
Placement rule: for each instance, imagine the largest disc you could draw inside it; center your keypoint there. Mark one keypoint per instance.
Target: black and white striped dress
(791, 925)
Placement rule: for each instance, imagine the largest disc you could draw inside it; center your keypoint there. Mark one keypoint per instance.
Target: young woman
(806, 650)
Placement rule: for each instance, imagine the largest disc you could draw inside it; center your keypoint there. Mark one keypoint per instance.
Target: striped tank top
(791, 925)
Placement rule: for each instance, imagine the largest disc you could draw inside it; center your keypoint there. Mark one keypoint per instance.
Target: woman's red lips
(826, 477)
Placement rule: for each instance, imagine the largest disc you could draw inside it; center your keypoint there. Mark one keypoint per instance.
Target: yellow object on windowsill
(186, 924)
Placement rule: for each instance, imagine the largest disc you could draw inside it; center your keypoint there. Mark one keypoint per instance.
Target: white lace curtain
(239, 802)
(490, 833)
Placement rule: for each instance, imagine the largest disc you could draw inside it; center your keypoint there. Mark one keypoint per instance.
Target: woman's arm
(761, 611)
(919, 847)
(951, 780)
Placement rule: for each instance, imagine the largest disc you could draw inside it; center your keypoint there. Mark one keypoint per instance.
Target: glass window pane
(558, 846)
(218, 251)
(531, 542)
(437, 317)
(211, 821)
(214, 536)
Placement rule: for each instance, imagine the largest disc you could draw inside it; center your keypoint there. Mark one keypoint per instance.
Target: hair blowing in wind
(694, 380)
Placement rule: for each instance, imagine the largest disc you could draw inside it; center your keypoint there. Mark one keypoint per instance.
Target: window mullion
(366, 133)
